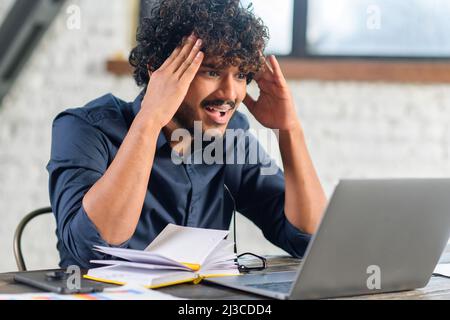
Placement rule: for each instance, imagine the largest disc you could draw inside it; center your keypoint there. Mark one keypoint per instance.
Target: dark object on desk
(56, 281)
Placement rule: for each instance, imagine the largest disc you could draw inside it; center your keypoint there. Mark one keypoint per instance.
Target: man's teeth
(218, 109)
(221, 110)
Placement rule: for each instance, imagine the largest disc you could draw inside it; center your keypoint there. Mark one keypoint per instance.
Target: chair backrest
(18, 235)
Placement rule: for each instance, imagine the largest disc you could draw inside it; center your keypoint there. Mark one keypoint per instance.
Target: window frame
(300, 65)
(300, 45)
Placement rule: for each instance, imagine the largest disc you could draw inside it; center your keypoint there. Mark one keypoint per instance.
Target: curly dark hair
(229, 32)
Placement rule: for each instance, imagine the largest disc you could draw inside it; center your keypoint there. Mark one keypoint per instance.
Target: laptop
(376, 236)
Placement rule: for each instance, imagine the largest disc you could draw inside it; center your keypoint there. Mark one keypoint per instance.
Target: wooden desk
(437, 288)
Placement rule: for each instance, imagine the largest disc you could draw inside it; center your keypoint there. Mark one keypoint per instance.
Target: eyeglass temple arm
(264, 260)
(234, 216)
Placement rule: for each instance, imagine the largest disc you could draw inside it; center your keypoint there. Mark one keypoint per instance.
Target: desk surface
(437, 288)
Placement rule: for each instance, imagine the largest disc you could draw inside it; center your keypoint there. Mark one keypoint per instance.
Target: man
(113, 181)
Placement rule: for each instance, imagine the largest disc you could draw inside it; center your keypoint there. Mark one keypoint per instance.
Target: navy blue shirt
(84, 143)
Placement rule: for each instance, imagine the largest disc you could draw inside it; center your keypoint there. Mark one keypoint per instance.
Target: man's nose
(227, 90)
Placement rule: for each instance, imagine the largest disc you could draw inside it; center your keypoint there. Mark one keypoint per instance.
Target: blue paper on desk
(129, 292)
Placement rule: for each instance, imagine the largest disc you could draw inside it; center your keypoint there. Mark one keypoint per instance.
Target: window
(22, 25)
(357, 28)
(280, 22)
(356, 40)
(379, 28)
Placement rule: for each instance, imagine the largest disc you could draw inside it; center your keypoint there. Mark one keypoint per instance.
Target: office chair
(18, 235)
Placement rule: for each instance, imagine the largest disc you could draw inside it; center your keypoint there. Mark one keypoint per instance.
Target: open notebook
(178, 254)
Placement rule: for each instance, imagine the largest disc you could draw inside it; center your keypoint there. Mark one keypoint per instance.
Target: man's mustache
(218, 103)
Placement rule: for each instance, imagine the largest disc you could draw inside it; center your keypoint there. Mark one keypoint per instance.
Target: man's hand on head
(274, 107)
(169, 84)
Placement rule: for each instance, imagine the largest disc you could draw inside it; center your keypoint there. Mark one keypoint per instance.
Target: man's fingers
(183, 55)
(278, 74)
(266, 85)
(192, 70)
(265, 73)
(258, 76)
(190, 59)
(170, 59)
(249, 101)
(174, 54)
(271, 73)
(268, 66)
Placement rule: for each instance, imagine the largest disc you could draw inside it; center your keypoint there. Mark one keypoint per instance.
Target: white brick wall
(67, 70)
(353, 129)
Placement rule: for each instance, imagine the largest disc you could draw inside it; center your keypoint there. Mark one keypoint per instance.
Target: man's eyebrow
(212, 66)
(209, 65)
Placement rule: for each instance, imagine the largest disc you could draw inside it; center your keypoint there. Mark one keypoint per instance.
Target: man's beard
(185, 117)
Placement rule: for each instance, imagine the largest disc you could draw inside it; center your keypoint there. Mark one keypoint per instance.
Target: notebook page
(138, 265)
(223, 251)
(139, 256)
(186, 244)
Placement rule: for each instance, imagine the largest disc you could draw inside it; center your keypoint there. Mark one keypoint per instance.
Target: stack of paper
(179, 254)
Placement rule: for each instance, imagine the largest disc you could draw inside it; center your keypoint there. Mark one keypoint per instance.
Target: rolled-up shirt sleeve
(261, 199)
(79, 157)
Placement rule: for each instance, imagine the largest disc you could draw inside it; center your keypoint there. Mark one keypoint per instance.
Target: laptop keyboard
(283, 287)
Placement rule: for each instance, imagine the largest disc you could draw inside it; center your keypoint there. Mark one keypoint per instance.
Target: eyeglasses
(242, 267)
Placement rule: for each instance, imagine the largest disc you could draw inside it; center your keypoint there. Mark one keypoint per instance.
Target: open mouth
(217, 109)
(219, 114)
